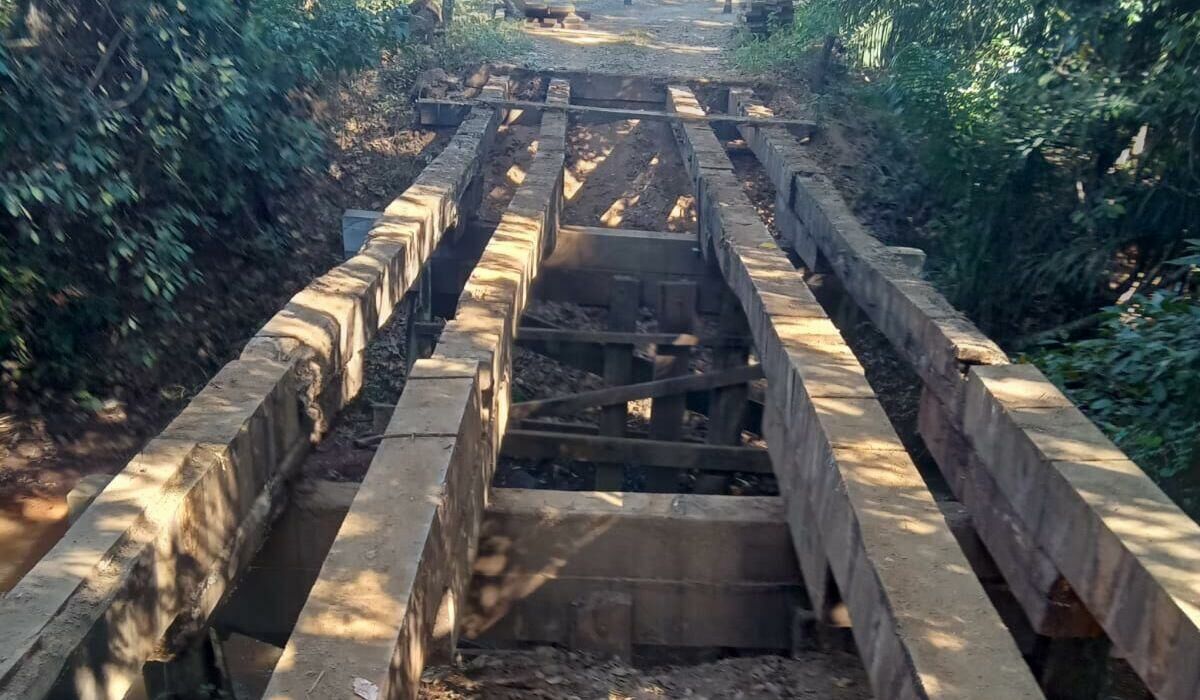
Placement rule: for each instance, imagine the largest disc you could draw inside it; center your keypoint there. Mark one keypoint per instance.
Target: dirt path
(685, 39)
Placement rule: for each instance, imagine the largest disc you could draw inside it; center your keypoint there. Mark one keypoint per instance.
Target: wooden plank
(586, 286)
(681, 340)
(676, 314)
(541, 551)
(443, 113)
(921, 620)
(389, 593)
(1123, 545)
(531, 444)
(625, 251)
(588, 85)
(618, 370)
(935, 338)
(143, 568)
(623, 394)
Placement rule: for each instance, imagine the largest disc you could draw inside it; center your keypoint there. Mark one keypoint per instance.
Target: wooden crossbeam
(535, 444)
(632, 392)
(571, 335)
(447, 110)
(545, 557)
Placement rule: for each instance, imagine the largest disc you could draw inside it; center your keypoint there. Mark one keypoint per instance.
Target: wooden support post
(618, 370)
(676, 314)
(418, 310)
(726, 405)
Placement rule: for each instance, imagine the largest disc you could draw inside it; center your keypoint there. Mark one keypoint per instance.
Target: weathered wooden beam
(626, 251)
(632, 392)
(436, 112)
(936, 340)
(927, 330)
(1047, 600)
(532, 444)
(618, 370)
(145, 565)
(390, 592)
(1127, 550)
(921, 620)
(573, 335)
(542, 551)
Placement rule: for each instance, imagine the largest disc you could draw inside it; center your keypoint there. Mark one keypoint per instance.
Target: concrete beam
(711, 571)
(921, 620)
(1050, 605)
(326, 326)
(390, 591)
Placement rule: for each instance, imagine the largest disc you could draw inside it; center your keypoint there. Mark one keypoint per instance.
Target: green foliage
(1056, 141)
(1139, 379)
(474, 37)
(135, 134)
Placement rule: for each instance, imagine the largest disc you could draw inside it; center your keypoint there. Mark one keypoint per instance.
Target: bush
(135, 134)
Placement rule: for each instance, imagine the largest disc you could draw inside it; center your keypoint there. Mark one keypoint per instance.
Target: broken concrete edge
(389, 593)
(936, 340)
(934, 337)
(844, 473)
(325, 328)
(544, 554)
(177, 505)
(1125, 547)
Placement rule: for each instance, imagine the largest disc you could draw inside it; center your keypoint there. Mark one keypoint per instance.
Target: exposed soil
(867, 163)
(551, 673)
(627, 174)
